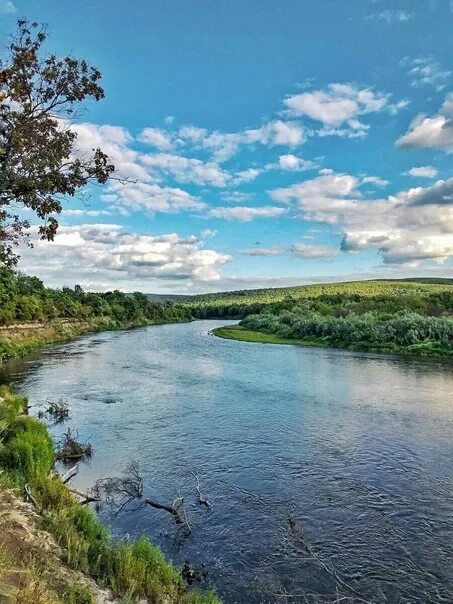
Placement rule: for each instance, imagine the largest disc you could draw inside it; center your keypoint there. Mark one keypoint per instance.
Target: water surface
(355, 449)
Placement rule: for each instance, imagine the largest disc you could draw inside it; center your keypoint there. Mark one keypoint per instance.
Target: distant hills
(188, 297)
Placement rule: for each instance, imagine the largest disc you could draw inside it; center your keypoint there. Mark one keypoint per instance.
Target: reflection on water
(355, 449)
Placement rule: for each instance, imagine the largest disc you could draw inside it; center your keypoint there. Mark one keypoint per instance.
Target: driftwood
(176, 509)
(86, 497)
(118, 492)
(70, 448)
(66, 477)
(201, 500)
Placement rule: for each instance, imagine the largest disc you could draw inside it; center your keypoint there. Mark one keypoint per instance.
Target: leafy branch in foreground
(40, 96)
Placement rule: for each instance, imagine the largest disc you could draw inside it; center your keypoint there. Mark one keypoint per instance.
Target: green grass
(241, 334)
(237, 332)
(130, 569)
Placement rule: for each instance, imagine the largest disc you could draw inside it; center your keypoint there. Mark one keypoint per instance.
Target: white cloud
(187, 170)
(277, 133)
(294, 164)
(90, 213)
(223, 145)
(377, 181)
(116, 142)
(409, 227)
(104, 253)
(208, 233)
(320, 191)
(246, 214)
(391, 16)
(426, 71)
(236, 196)
(422, 172)
(429, 132)
(338, 107)
(151, 197)
(7, 7)
(301, 250)
(447, 105)
(156, 137)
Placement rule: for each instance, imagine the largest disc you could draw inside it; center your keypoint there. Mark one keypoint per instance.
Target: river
(353, 451)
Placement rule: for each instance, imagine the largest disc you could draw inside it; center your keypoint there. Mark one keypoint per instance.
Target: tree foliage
(24, 298)
(40, 96)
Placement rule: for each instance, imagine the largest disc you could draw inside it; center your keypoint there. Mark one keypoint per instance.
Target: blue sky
(265, 143)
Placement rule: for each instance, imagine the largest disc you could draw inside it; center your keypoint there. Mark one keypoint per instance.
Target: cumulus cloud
(151, 197)
(422, 172)
(339, 106)
(105, 253)
(377, 181)
(431, 132)
(391, 16)
(408, 227)
(116, 142)
(293, 163)
(189, 170)
(426, 71)
(277, 133)
(156, 137)
(246, 214)
(223, 145)
(323, 191)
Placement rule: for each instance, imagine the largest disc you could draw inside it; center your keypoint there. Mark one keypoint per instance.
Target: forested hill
(387, 316)
(417, 294)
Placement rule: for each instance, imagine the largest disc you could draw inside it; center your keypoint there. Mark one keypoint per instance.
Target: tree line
(24, 298)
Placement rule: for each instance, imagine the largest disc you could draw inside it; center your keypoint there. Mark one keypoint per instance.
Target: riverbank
(66, 549)
(19, 339)
(242, 334)
(238, 332)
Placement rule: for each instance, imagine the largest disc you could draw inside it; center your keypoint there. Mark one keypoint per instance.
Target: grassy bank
(238, 332)
(242, 334)
(129, 570)
(18, 340)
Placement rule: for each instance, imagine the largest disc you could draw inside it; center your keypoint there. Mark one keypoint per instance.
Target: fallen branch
(119, 492)
(201, 500)
(66, 477)
(85, 496)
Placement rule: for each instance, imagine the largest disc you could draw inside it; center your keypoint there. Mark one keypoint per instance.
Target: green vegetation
(385, 316)
(38, 163)
(238, 332)
(51, 315)
(131, 570)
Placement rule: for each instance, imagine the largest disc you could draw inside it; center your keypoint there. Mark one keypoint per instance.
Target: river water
(330, 473)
